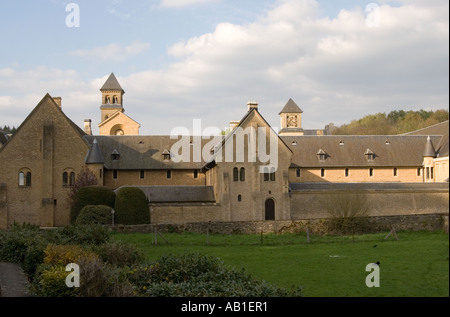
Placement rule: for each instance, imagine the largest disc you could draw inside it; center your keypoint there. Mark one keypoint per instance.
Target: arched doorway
(269, 209)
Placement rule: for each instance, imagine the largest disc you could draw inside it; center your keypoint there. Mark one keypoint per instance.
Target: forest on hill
(395, 122)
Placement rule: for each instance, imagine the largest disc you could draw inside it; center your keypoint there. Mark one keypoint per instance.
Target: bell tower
(112, 97)
(291, 119)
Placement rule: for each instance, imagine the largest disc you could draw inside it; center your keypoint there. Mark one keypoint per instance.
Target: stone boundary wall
(428, 222)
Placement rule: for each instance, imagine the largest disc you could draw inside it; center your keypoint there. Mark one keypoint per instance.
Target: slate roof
(368, 186)
(3, 138)
(349, 151)
(94, 155)
(112, 84)
(291, 107)
(437, 129)
(178, 194)
(142, 152)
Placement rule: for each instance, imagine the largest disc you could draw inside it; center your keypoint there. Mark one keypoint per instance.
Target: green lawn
(330, 266)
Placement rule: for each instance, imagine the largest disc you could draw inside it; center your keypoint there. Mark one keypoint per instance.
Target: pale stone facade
(39, 164)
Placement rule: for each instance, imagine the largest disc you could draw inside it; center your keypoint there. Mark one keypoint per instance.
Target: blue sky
(180, 60)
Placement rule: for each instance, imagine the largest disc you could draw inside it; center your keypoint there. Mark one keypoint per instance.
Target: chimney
(252, 104)
(233, 124)
(58, 101)
(87, 126)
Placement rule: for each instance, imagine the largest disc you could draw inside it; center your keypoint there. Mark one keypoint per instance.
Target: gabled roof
(112, 84)
(178, 194)
(349, 151)
(142, 152)
(114, 115)
(291, 107)
(48, 98)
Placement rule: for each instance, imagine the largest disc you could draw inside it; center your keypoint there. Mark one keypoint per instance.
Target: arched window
(235, 174)
(65, 179)
(114, 99)
(21, 179)
(272, 174)
(28, 179)
(25, 178)
(266, 174)
(107, 100)
(242, 174)
(72, 179)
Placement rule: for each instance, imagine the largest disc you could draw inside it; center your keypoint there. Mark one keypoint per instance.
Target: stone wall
(308, 201)
(427, 222)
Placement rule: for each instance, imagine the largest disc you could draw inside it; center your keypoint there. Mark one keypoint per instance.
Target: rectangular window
(322, 172)
(297, 173)
(395, 171)
(418, 171)
(346, 172)
(195, 174)
(371, 172)
(114, 174)
(428, 173)
(142, 174)
(432, 172)
(169, 174)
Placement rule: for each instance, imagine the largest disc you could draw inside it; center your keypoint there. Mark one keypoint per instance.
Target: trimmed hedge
(91, 195)
(131, 207)
(95, 214)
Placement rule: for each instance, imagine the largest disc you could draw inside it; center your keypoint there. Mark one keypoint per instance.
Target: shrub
(131, 207)
(64, 254)
(50, 281)
(83, 234)
(91, 195)
(99, 279)
(118, 253)
(195, 275)
(95, 214)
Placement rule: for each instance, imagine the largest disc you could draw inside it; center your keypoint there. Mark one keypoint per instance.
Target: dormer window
(369, 154)
(388, 142)
(294, 142)
(321, 155)
(166, 155)
(341, 142)
(115, 156)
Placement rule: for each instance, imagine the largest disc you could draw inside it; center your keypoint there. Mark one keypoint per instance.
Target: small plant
(95, 214)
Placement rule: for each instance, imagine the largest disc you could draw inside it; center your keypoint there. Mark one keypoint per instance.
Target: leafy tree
(395, 122)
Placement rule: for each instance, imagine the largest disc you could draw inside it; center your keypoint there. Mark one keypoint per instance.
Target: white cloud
(113, 52)
(336, 69)
(182, 3)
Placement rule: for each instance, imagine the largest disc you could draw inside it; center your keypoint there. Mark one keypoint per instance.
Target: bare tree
(348, 211)
(85, 178)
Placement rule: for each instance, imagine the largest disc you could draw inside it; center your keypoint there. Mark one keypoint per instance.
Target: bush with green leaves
(195, 275)
(95, 214)
(131, 207)
(91, 195)
(118, 253)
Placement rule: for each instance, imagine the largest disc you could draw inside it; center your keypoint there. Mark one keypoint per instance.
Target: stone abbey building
(251, 174)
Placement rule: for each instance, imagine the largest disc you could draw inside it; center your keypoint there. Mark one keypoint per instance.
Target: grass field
(329, 266)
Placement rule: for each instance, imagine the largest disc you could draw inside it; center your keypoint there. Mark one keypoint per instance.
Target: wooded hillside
(396, 122)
